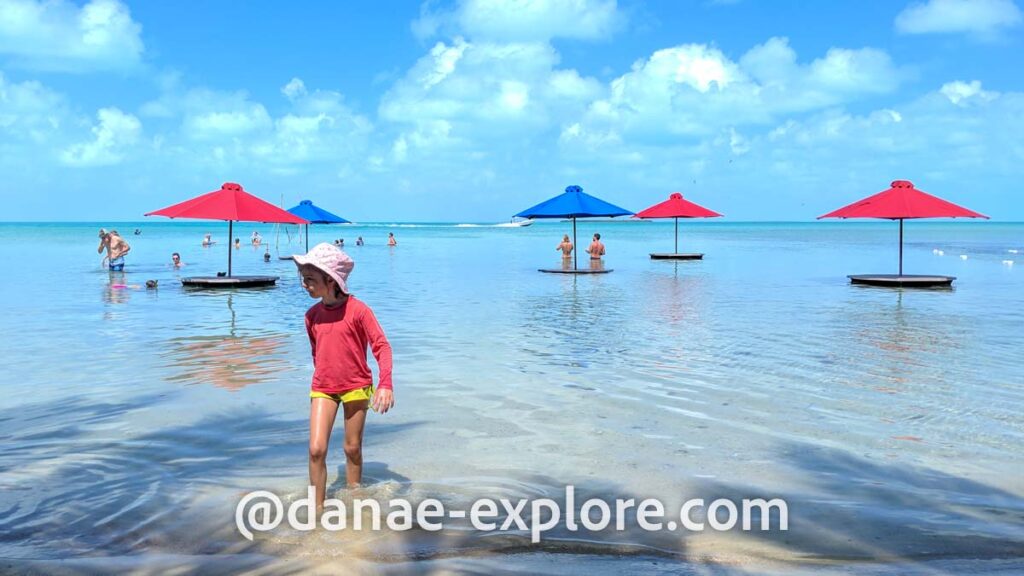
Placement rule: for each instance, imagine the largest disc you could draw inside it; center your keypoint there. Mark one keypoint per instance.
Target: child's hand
(383, 400)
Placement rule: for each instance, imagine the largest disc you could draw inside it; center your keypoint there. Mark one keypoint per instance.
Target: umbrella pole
(231, 234)
(307, 238)
(677, 235)
(575, 248)
(901, 246)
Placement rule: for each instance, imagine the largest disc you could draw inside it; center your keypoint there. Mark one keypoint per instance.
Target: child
(340, 328)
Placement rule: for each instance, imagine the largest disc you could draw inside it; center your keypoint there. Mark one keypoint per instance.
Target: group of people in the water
(117, 247)
(257, 240)
(596, 248)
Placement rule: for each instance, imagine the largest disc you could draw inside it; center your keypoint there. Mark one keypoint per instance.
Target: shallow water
(133, 420)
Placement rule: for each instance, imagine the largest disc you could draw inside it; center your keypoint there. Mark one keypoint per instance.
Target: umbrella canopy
(316, 215)
(676, 207)
(573, 203)
(230, 203)
(901, 202)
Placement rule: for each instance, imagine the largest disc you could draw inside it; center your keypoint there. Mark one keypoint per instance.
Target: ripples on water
(133, 419)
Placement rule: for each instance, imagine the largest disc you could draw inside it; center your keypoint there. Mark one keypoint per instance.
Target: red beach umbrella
(676, 207)
(230, 203)
(901, 202)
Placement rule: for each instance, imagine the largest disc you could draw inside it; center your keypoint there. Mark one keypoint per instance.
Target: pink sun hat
(331, 260)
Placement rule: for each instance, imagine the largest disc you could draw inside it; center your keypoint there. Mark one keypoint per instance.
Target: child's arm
(384, 398)
(312, 337)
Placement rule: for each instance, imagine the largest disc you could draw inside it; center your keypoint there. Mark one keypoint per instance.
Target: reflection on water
(117, 290)
(230, 362)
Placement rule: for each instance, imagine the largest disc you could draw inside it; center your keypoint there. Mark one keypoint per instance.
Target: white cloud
(115, 133)
(981, 17)
(58, 35)
(964, 94)
(442, 61)
(294, 89)
(484, 82)
(227, 120)
(524, 20)
(231, 129)
(29, 110)
(469, 96)
(695, 89)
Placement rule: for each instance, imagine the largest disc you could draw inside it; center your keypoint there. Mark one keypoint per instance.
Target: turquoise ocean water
(133, 420)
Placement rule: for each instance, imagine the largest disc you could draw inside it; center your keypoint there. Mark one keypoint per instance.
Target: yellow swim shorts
(356, 395)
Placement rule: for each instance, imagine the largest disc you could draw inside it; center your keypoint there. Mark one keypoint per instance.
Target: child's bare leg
(322, 412)
(355, 420)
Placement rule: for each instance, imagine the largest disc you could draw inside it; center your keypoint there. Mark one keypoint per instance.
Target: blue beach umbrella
(316, 215)
(574, 203)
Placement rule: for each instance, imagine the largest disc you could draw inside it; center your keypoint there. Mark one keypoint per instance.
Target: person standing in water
(391, 239)
(566, 247)
(596, 249)
(340, 329)
(116, 248)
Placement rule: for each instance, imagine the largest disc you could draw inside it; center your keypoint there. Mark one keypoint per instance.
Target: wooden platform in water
(680, 256)
(574, 270)
(229, 281)
(904, 281)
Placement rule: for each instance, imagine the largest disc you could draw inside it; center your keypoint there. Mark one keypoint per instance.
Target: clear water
(132, 420)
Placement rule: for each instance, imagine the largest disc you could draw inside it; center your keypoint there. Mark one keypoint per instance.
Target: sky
(472, 110)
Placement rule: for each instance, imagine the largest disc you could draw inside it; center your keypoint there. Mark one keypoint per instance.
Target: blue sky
(473, 110)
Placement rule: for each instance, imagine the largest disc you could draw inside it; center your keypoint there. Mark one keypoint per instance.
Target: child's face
(316, 283)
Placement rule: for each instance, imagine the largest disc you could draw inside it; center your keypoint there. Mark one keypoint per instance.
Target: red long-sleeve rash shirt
(339, 338)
